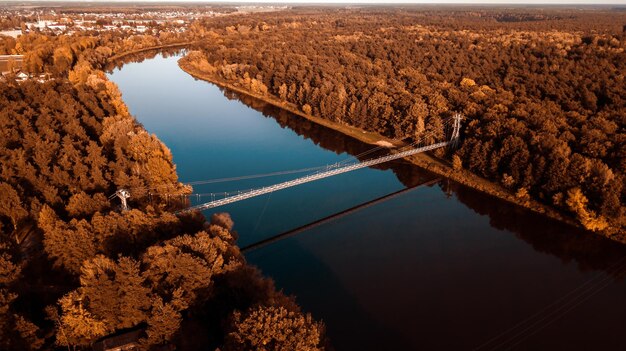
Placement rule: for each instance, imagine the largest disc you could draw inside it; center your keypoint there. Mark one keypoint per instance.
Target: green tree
(63, 59)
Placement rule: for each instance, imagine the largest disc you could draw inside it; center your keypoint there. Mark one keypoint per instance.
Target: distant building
(57, 27)
(124, 342)
(21, 76)
(15, 57)
(41, 25)
(11, 33)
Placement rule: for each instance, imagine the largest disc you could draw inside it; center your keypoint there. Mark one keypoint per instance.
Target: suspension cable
(417, 141)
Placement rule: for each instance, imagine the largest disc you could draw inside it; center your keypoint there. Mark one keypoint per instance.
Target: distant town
(83, 19)
(70, 21)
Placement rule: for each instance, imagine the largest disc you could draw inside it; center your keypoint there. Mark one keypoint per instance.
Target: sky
(530, 2)
(591, 2)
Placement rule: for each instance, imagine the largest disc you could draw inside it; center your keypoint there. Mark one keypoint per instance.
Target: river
(439, 267)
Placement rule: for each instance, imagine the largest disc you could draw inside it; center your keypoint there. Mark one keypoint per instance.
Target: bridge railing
(332, 170)
(313, 177)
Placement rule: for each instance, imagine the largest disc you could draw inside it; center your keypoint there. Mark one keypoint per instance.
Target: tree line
(542, 92)
(74, 269)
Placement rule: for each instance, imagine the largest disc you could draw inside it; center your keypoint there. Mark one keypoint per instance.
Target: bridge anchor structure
(333, 170)
(123, 194)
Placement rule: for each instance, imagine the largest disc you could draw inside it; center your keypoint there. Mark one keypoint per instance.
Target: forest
(76, 272)
(543, 99)
(542, 91)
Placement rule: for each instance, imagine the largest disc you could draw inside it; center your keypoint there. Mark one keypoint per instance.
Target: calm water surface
(437, 268)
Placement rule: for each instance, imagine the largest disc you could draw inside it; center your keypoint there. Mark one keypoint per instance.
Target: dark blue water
(213, 137)
(438, 268)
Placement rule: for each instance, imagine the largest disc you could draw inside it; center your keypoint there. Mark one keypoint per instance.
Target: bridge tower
(123, 194)
(456, 130)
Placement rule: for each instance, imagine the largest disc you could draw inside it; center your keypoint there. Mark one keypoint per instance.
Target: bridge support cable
(266, 175)
(415, 147)
(335, 170)
(354, 158)
(314, 177)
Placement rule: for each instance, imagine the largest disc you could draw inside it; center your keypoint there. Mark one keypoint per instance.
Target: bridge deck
(316, 176)
(332, 170)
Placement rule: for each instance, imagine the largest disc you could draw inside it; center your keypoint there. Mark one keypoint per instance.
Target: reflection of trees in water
(543, 234)
(588, 250)
(144, 55)
(329, 139)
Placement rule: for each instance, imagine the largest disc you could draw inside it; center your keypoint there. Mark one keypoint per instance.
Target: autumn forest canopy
(76, 272)
(542, 93)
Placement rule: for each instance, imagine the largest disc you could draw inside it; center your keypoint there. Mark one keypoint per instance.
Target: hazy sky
(592, 2)
(564, 2)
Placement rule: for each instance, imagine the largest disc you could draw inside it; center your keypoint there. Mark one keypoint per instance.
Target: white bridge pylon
(331, 172)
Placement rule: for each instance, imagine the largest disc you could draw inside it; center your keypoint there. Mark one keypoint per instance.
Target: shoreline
(424, 160)
(116, 57)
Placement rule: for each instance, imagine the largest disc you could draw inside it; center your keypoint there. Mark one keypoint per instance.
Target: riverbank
(216, 133)
(424, 160)
(357, 133)
(151, 48)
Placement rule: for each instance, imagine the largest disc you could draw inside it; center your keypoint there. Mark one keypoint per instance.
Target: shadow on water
(568, 243)
(590, 251)
(349, 319)
(330, 139)
(143, 56)
(376, 293)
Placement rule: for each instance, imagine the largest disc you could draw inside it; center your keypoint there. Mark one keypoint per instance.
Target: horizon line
(339, 2)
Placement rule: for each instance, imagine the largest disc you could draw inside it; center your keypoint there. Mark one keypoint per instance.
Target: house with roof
(21, 76)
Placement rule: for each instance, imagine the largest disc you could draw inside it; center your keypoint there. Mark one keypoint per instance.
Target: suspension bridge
(423, 144)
